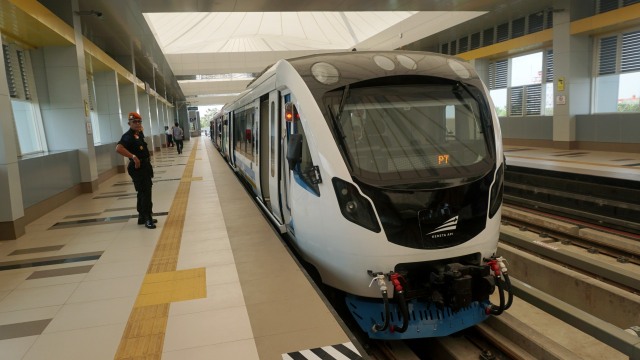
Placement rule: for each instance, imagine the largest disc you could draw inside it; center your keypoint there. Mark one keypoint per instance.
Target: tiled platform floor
(67, 292)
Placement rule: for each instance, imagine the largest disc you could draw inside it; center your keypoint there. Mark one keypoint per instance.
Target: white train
(386, 171)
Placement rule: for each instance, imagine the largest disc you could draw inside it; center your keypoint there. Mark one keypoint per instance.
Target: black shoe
(150, 224)
(142, 220)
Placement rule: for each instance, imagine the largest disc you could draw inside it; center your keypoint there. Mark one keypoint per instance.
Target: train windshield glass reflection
(404, 133)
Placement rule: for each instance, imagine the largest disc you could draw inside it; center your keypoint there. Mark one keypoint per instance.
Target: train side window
(244, 138)
(299, 156)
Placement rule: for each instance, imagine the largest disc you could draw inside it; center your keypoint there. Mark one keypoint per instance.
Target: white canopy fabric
(194, 32)
(269, 31)
(199, 43)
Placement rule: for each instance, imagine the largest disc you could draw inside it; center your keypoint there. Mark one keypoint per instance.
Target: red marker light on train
(290, 112)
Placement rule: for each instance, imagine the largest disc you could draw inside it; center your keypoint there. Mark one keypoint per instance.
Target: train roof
(357, 65)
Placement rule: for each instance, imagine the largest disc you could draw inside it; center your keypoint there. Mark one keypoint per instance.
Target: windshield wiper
(486, 119)
(456, 91)
(345, 95)
(341, 137)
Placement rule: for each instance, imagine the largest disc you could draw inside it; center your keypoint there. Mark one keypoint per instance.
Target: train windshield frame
(399, 133)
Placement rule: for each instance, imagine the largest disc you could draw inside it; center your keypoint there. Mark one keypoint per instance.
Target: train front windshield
(403, 134)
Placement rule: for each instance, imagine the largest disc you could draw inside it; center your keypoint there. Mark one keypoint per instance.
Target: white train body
(390, 162)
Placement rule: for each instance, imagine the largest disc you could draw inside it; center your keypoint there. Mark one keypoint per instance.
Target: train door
(262, 147)
(231, 141)
(272, 171)
(225, 135)
(285, 130)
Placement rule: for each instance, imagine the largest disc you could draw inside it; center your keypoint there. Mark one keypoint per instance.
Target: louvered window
(548, 66)
(26, 112)
(630, 59)
(453, 48)
(444, 49)
(517, 28)
(516, 99)
(23, 74)
(534, 99)
(487, 37)
(607, 55)
(463, 44)
(503, 32)
(549, 23)
(607, 5)
(501, 74)
(92, 97)
(536, 22)
(618, 69)
(475, 41)
(8, 67)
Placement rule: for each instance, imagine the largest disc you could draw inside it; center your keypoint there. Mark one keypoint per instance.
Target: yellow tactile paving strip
(172, 286)
(143, 337)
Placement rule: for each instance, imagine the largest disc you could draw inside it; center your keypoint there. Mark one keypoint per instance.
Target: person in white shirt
(169, 133)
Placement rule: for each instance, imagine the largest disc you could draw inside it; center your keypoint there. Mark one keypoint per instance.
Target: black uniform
(142, 176)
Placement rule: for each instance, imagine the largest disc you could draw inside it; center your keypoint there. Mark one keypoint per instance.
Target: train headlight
(351, 207)
(355, 207)
(496, 192)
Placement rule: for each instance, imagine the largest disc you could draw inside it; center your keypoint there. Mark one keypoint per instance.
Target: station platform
(618, 165)
(212, 281)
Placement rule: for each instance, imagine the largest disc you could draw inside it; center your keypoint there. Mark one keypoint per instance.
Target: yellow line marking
(143, 336)
(159, 288)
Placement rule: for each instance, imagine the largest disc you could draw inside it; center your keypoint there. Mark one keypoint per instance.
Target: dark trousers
(179, 146)
(169, 140)
(142, 182)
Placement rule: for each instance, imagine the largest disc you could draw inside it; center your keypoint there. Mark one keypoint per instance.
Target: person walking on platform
(169, 133)
(178, 136)
(133, 147)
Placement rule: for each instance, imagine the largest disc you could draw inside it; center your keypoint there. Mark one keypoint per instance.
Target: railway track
(562, 308)
(564, 292)
(612, 203)
(592, 284)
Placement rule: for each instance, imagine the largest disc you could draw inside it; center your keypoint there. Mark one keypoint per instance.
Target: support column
(182, 118)
(128, 103)
(572, 70)
(155, 123)
(162, 120)
(12, 210)
(482, 68)
(147, 123)
(66, 117)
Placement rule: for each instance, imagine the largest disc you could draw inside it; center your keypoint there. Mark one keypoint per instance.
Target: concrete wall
(601, 132)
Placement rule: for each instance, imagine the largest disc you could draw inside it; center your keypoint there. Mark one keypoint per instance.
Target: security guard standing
(133, 147)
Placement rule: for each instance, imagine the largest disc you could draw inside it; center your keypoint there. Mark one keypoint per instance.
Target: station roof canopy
(202, 52)
(234, 32)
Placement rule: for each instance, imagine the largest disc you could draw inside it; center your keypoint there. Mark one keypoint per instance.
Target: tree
(207, 117)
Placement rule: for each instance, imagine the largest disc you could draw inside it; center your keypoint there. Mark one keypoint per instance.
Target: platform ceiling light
(95, 13)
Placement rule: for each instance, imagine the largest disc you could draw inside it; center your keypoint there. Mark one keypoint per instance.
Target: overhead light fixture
(95, 13)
